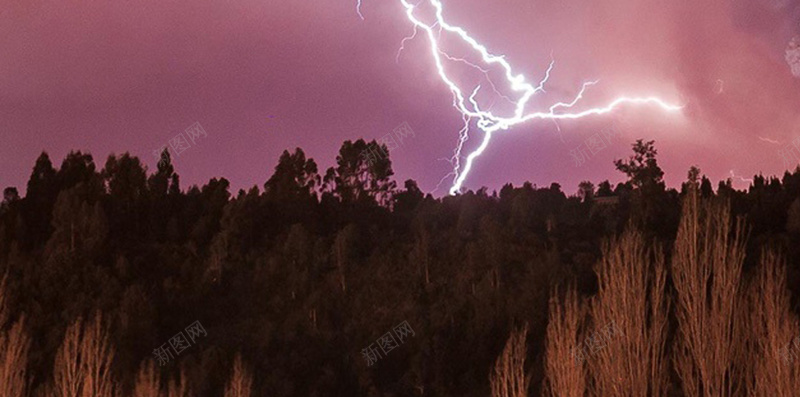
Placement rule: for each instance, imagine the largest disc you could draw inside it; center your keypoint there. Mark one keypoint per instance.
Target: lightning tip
(358, 10)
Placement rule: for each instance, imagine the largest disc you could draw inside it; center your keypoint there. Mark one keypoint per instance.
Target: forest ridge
(293, 281)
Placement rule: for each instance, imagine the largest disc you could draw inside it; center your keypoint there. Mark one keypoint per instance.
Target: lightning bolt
(743, 179)
(403, 44)
(485, 120)
(358, 10)
(769, 140)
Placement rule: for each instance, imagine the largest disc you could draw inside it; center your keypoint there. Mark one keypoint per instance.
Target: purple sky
(264, 76)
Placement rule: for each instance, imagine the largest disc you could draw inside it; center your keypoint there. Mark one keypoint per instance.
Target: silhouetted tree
(362, 173)
(642, 168)
(295, 178)
(40, 198)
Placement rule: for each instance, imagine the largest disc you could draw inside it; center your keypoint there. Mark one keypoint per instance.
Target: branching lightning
(403, 44)
(487, 121)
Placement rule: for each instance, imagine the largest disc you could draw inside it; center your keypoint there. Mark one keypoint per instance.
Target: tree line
(292, 280)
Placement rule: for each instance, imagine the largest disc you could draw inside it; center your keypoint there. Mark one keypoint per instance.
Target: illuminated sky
(264, 76)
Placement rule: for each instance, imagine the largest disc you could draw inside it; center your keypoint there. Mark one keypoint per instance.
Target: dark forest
(298, 282)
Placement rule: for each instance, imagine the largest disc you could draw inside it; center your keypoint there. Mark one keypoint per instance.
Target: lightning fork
(486, 120)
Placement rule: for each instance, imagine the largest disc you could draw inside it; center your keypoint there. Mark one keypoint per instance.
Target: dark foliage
(302, 276)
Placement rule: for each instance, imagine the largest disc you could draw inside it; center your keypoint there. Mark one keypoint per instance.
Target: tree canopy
(302, 275)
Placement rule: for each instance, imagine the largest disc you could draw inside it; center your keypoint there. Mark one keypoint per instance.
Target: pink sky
(264, 76)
